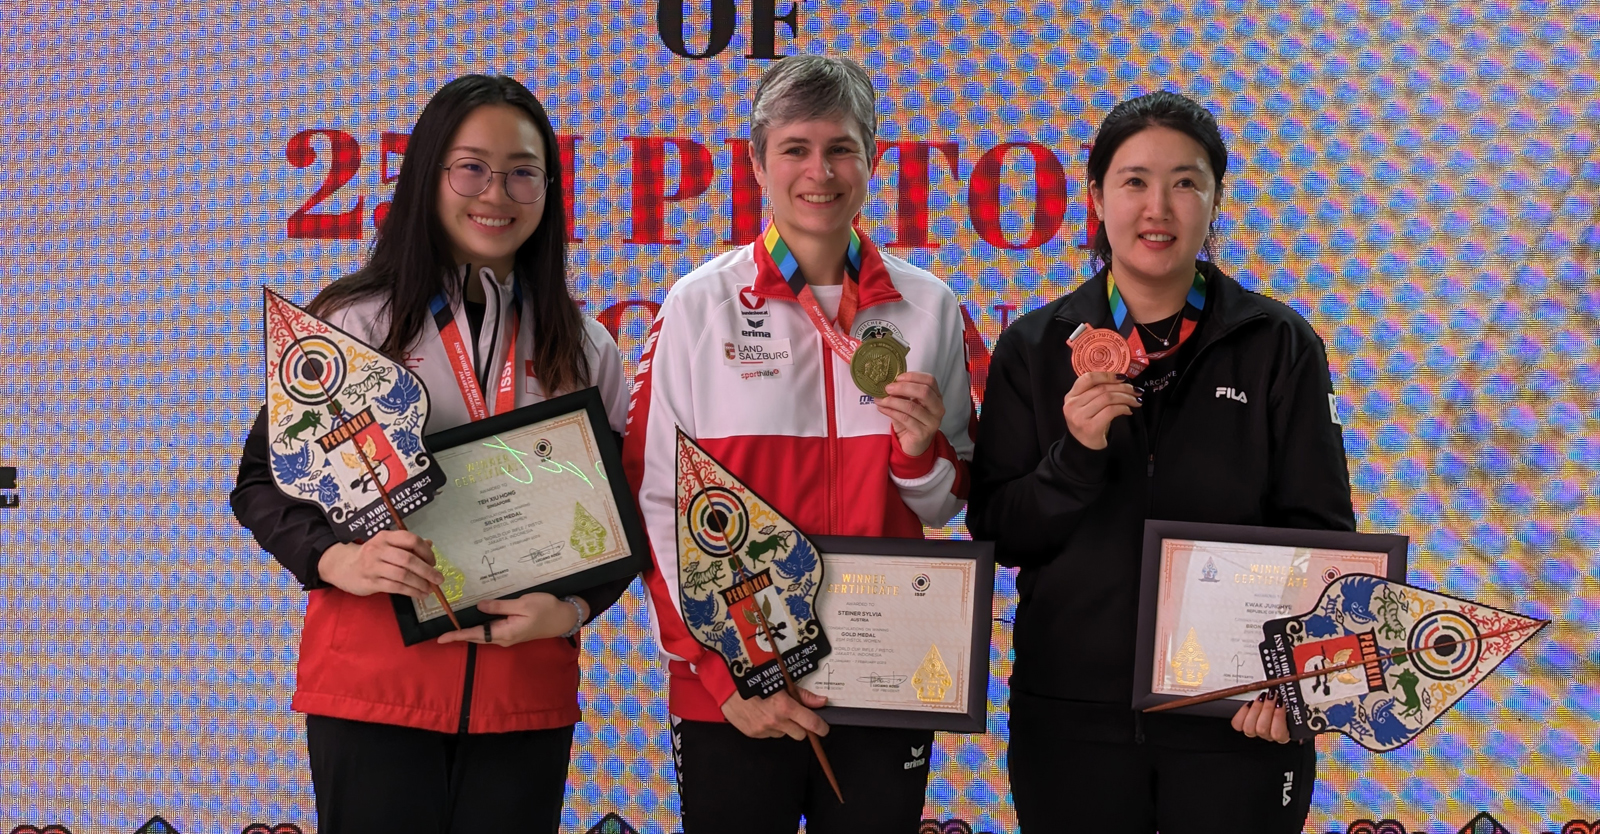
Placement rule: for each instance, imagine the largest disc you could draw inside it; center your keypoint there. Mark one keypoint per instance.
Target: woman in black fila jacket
(1232, 422)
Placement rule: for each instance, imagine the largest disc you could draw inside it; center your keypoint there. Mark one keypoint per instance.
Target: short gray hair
(803, 87)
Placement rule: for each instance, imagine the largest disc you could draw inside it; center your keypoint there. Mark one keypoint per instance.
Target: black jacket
(1246, 435)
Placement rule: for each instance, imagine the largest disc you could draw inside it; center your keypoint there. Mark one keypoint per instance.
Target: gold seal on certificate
(535, 500)
(909, 622)
(1208, 588)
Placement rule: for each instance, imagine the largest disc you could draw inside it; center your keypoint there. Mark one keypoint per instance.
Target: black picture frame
(975, 719)
(587, 400)
(1156, 532)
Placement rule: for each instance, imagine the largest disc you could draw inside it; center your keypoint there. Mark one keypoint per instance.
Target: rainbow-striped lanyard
(841, 343)
(1194, 302)
(791, 268)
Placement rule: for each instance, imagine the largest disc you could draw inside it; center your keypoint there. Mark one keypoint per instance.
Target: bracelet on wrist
(577, 606)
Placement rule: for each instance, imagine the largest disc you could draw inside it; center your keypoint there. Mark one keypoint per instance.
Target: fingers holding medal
(1103, 361)
(910, 399)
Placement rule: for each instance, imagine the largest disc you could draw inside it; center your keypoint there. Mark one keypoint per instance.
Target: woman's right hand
(392, 562)
(1094, 401)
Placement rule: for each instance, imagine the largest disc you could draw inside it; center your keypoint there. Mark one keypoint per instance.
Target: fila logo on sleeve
(1288, 786)
(1236, 396)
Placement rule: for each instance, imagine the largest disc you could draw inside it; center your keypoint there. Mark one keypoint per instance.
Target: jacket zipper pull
(1150, 470)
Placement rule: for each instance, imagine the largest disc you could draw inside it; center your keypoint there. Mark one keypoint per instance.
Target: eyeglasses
(470, 177)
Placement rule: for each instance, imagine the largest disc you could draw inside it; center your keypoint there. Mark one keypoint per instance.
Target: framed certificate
(535, 500)
(1206, 590)
(909, 621)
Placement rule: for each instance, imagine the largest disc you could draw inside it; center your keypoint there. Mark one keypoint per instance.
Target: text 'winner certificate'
(1215, 593)
(904, 630)
(535, 500)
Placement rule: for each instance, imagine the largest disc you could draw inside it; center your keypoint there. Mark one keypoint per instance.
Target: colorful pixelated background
(1419, 179)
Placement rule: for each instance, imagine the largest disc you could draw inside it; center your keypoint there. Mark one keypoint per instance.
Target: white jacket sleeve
(662, 402)
(934, 484)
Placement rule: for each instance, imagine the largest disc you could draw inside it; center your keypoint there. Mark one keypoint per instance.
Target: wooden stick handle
(1252, 687)
(794, 692)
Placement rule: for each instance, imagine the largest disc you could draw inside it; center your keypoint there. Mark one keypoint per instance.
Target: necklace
(1176, 320)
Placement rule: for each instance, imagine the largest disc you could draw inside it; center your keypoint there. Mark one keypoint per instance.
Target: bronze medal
(1099, 350)
(876, 363)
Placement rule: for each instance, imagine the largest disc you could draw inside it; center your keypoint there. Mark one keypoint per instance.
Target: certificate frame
(975, 719)
(588, 402)
(1392, 546)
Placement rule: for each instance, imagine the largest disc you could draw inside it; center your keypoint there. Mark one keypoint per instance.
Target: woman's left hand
(1263, 718)
(915, 409)
(534, 616)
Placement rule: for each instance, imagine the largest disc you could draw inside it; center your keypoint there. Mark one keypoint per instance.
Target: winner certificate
(535, 500)
(909, 621)
(1207, 589)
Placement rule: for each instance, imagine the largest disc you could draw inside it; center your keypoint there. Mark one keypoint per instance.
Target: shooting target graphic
(1448, 643)
(1100, 350)
(718, 521)
(312, 370)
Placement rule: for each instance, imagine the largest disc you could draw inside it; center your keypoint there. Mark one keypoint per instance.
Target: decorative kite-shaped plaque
(344, 424)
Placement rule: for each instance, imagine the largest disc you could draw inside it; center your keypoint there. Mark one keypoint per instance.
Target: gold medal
(876, 363)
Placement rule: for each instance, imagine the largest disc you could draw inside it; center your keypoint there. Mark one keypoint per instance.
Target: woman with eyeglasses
(474, 731)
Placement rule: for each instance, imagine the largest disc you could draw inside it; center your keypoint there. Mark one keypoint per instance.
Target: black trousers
(729, 783)
(381, 778)
(1061, 782)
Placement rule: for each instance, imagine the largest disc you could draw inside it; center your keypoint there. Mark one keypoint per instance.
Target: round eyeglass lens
(525, 184)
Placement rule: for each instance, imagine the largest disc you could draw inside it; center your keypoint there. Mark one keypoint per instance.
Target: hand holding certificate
(536, 501)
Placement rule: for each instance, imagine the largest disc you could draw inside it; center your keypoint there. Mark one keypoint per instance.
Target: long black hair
(411, 262)
(1158, 109)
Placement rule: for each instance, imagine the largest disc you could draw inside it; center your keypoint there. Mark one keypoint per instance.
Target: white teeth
(1157, 238)
(499, 221)
(819, 198)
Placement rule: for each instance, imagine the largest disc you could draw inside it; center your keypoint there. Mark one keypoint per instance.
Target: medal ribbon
(841, 343)
(1193, 304)
(455, 350)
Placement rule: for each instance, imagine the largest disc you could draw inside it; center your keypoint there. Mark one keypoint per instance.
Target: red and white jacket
(734, 360)
(352, 661)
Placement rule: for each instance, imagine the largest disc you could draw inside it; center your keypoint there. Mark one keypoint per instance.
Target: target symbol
(1100, 350)
(718, 521)
(312, 370)
(544, 448)
(1446, 645)
(1329, 575)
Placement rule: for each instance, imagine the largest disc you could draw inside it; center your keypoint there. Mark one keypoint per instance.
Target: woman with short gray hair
(836, 445)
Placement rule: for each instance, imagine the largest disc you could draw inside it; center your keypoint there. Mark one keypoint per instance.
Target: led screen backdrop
(1418, 179)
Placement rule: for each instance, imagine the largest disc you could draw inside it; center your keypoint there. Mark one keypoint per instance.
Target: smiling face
(486, 230)
(815, 173)
(1156, 204)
